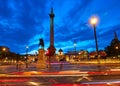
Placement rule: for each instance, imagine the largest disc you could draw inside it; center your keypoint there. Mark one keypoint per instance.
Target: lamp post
(27, 56)
(48, 53)
(4, 51)
(61, 58)
(75, 46)
(117, 50)
(94, 21)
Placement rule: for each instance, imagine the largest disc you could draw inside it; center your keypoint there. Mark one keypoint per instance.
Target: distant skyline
(24, 22)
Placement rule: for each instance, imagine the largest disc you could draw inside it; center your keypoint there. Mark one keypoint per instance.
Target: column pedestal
(41, 63)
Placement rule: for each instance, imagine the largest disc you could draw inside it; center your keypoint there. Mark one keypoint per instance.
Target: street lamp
(94, 21)
(75, 46)
(61, 58)
(116, 47)
(4, 49)
(27, 56)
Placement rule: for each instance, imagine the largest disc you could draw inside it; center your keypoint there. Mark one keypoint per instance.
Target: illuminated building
(4, 48)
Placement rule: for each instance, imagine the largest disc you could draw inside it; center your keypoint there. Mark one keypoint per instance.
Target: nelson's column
(51, 48)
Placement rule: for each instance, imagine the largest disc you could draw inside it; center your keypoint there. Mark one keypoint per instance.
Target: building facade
(4, 48)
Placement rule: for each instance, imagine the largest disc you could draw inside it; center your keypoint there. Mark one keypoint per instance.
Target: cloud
(19, 22)
(24, 23)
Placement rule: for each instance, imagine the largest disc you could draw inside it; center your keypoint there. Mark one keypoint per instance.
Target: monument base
(41, 63)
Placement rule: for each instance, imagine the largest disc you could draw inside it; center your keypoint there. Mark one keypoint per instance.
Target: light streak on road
(59, 63)
(114, 69)
(34, 83)
(104, 82)
(84, 77)
(13, 80)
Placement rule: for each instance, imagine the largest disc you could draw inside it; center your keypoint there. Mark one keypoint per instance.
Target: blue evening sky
(24, 22)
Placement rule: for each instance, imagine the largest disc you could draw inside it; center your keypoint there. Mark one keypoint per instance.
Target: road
(54, 80)
(65, 75)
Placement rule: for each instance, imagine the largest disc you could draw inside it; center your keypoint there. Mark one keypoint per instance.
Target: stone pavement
(56, 67)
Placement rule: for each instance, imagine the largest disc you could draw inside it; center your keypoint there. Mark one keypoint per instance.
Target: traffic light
(48, 52)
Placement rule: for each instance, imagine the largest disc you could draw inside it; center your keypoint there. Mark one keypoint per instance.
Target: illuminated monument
(51, 48)
(41, 63)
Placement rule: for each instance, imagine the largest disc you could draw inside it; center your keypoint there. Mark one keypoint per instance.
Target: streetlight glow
(4, 49)
(27, 56)
(27, 47)
(116, 47)
(75, 46)
(94, 20)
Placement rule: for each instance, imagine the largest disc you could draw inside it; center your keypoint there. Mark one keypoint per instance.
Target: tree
(114, 48)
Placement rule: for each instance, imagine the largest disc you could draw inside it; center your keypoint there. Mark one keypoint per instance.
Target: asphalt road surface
(65, 75)
(63, 80)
